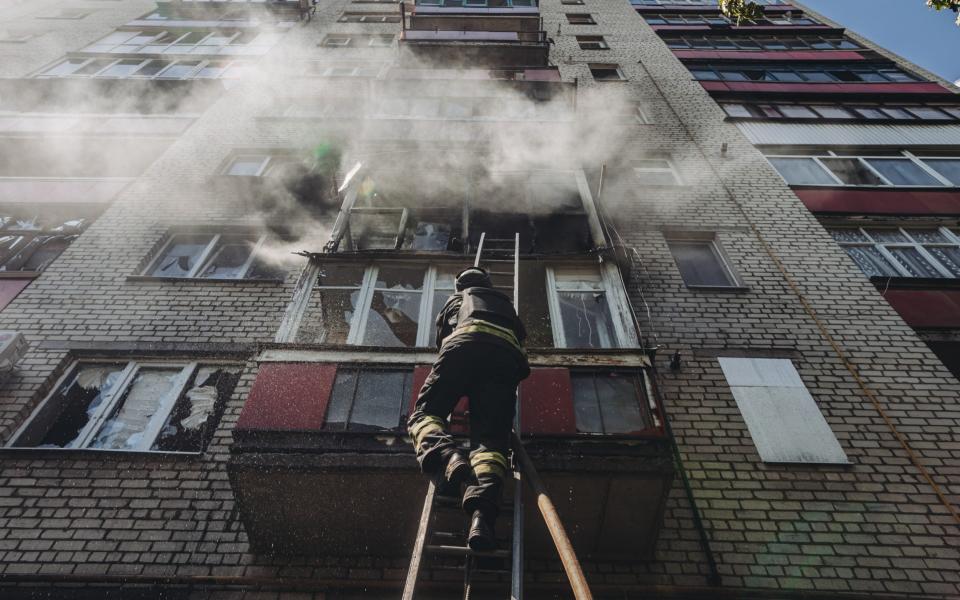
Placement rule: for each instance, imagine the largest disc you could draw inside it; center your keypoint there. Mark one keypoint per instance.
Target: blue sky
(928, 38)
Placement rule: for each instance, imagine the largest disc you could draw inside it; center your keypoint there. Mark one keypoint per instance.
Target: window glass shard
(197, 411)
(149, 391)
(78, 400)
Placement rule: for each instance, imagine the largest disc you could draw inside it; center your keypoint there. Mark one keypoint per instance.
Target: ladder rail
(516, 558)
(416, 558)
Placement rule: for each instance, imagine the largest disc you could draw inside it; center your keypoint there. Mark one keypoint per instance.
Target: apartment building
(735, 313)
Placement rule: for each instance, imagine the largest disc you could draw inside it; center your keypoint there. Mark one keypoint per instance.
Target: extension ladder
(502, 257)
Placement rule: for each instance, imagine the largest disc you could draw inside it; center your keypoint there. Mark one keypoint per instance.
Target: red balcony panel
(547, 403)
(826, 88)
(927, 308)
(811, 55)
(288, 397)
(879, 201)
(10, 289)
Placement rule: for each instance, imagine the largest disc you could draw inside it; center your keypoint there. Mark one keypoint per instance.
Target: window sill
(20, 274)
(60, 453)
(201, 280)
(735, 289)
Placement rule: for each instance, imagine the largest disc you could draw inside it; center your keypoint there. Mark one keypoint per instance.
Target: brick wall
(873, 526)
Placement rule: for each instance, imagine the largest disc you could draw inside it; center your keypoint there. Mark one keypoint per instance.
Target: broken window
(450, 213)
(369, 399)
(396, 304)
(211, 256)
(610, 402)
(30, 242)
(132, 406)
(586, 308)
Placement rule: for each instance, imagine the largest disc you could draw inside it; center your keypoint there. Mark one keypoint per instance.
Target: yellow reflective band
(490, 469)
(489, 458)
(488, 328)
(426, 425)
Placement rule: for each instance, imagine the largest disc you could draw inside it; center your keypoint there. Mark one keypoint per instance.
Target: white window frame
(718, 253)
(638, 172)
(884, 247)
(358, 322)
(864, 161)
(592, 42)
(337, 40)
(380, 41)
(110, 400)
(175, 47)
(610, 285)
(204, 257)
(202, 63)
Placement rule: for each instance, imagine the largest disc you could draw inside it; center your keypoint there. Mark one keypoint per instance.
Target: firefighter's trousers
(488, 375)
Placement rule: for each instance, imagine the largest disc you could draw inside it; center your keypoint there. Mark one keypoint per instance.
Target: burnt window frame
(466, 213)
(28, 236)
(114, 399)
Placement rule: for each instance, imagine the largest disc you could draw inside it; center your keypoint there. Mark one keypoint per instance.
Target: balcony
(494, 37)
(349, 482)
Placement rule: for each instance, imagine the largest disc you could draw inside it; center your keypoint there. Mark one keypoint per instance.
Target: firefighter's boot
(481, 537)
(452, 478)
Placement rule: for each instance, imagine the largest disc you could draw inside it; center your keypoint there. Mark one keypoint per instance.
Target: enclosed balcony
(474, 35)
(321, 463)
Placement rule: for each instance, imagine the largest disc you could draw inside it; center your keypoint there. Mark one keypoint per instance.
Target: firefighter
(480, 338)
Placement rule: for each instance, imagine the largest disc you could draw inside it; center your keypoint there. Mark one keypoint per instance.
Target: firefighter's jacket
(482, 314)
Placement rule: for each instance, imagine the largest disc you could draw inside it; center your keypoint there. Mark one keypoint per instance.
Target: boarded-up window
(783, 419)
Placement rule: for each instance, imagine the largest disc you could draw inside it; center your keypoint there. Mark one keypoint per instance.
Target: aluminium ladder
(503, 257)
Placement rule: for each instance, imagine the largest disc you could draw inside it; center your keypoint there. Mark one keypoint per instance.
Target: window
(342, 69)
(606, 72)
(931, 252)
(885, 168)
(369, 399)
(206, 41)
(29, 242)
(610, 402)
(783, 419)
(394, 304)
(585, 308)
(756, 42)
(142, 406)
(580, 19)
(265, 165)
(337, 40)
(655, 172)
(701, 263)
(571, 2)
(643, 114)
(211, 256)
(592, 42)
(816, 73)
(132, 68)
(369, 17)
(545, 209)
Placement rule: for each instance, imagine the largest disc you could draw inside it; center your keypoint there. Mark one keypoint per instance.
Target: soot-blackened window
(138, 405)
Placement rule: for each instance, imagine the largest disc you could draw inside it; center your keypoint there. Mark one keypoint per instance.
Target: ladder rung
(466, 551)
